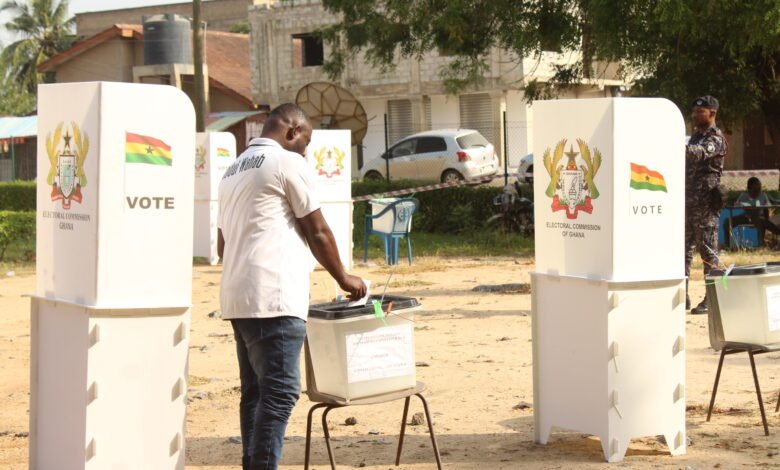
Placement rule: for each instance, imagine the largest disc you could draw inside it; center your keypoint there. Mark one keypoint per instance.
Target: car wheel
(373, 175)
(450, 176)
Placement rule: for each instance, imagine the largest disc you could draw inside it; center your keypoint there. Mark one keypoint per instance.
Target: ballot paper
(362, 301)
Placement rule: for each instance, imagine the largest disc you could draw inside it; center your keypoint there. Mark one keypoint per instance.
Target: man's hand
(354, 286)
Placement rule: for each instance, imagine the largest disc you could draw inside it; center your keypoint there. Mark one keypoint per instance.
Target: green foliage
(457, 210)
(16, 228)
(15, 100)
(679, 49)
(241, 27)
(482, 243)
(45, 31)
(17, 196)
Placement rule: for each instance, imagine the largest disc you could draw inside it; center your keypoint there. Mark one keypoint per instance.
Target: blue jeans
(268, 361)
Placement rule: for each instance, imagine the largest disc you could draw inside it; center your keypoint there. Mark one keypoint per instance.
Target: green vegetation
(17, 196)
(17, 232)
(449, 245)
(677, 49)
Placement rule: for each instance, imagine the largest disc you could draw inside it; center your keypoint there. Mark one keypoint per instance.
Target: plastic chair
(741, 236)
(402, 211)
(744, 236)
(329, 402)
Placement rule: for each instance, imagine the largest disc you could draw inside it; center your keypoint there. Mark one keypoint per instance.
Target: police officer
(704, 195)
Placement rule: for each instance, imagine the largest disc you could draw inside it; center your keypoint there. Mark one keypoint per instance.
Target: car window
(431, 144)
(473, 140)
(404, 149)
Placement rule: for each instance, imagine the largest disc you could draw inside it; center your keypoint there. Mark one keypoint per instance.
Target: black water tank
(167, 39)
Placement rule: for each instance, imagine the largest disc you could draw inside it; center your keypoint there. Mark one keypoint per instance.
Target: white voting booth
(609, 290)
(329, 158)
(214, 153)
(111, 312)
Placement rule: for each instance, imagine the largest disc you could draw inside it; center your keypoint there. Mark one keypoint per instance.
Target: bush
(17, 196)
(450, 210)
(16, 228)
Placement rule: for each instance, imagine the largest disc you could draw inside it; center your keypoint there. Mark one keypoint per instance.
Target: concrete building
(219, 15)
(286, 56)
(117, 54)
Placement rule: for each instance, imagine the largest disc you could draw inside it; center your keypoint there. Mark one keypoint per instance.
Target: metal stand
(752, 350)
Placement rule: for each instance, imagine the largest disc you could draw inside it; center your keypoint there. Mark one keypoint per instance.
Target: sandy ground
(477, 347)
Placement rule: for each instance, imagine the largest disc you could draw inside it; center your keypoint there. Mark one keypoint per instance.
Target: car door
(401, 159)
(430, 157)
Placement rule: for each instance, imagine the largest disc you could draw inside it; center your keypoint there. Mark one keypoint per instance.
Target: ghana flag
(221, 152)
(144, 149)
(645, 178)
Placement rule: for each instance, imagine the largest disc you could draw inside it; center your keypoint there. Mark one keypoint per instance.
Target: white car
(525, 169)
(444, 155)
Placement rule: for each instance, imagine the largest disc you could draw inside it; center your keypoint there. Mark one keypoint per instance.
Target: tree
(15, 100)
(45, 30)
(677, 49)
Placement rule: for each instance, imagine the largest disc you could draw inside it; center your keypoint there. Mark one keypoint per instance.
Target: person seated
(752, 201)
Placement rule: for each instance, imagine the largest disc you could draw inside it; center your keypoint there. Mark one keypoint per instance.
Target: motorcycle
(516, 211)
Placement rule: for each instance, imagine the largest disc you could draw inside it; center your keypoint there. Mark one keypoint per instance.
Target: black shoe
(701, 309)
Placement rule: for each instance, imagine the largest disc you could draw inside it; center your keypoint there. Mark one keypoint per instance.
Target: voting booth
(214, 153)
(329, 158)
(609, 287)
(111, 311)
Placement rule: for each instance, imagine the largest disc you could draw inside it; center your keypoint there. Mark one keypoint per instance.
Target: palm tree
(45, 30)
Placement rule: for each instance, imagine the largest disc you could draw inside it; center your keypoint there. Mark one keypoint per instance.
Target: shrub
(450, 210)
(17, 196)
(16, 228)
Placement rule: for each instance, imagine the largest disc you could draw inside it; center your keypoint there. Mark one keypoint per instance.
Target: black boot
(245, 463)
(702, 308)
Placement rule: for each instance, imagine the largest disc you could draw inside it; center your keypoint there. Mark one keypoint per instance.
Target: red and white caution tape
(752, 173)
(430, 187)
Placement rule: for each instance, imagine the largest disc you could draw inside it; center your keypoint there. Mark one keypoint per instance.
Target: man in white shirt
(269, 219)
(752, 201)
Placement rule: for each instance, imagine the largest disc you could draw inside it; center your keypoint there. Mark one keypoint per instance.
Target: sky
(80, 6)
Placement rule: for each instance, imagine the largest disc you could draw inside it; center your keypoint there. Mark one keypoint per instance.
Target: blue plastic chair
(402, 211)
(742, 236)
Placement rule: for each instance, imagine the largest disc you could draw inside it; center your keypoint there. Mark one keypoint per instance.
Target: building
(219, 15)
(286, 55)
(117, 54)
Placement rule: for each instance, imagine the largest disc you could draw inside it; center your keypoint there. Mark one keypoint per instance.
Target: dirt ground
(476, 350)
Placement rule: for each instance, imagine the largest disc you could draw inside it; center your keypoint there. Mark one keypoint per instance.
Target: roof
(217, 122)
(11, 126)
(227, 56)
(445, 132)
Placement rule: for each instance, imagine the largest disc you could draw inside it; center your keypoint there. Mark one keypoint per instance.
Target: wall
(220, 15)
(110, 61)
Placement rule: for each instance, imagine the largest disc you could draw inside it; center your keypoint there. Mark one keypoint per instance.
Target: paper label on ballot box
(380, 354)
(773, 307)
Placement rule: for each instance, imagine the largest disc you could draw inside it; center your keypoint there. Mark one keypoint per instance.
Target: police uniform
(704, 156)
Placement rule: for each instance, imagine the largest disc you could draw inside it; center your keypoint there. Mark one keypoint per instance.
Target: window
(473, 140)
(404, 149)
(307, 50)
(431, 144)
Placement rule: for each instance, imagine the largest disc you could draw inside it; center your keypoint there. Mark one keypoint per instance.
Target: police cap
(706, 101)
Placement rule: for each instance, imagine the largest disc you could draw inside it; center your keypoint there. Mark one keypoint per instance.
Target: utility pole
(197, 50)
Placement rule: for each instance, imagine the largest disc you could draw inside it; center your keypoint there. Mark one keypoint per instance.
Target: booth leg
(758, 393)
(715, 386)
(403, 432)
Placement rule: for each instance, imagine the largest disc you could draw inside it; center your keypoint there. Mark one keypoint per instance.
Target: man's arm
(712, 146)
(323, 247)
(220, 243)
